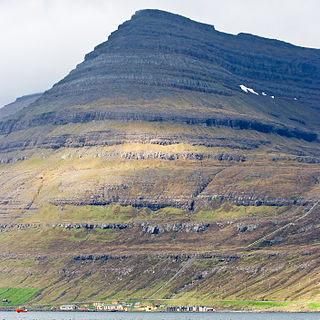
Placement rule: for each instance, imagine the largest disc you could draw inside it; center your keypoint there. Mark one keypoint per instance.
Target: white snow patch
(243, 88)
(272, 97)
(252, 91)
(246, 89)
(263, 93)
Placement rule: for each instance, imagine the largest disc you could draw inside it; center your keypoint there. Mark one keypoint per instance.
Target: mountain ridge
(141, 72)
(175, 163)
(18, 104)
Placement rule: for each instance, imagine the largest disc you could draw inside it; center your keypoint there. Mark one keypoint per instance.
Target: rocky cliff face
(160, 81)
(189, 155)
(164, 51)
(161, 56)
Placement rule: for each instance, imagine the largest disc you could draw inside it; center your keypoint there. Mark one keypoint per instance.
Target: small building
(68, 307)
(190, 309)
(114, 307)
(210, 309)
(173, 309)
(111, 307)
(97, 304)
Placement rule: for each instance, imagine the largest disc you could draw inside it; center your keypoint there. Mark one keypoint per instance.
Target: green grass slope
(178, 223)
(17, 296)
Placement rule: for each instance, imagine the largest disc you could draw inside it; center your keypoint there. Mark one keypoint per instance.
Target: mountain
(19, 104)
(159, 55)
(175, 162)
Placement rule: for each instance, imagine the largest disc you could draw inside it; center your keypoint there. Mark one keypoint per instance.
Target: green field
(17, 296)
(257, 304)
(314, 305)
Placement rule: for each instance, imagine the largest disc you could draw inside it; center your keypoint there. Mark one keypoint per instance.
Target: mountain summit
(175, 162)
(158, 55)
(159, 51)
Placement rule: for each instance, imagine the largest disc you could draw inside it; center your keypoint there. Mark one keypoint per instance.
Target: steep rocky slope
(19, 104)
(175, 162)
(158, 60)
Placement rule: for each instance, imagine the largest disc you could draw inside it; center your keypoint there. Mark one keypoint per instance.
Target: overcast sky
(42, 40)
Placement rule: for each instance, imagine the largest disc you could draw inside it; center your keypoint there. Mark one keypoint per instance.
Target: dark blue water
(157, 316)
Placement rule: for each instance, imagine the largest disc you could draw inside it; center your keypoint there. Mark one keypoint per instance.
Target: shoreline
(140, 311)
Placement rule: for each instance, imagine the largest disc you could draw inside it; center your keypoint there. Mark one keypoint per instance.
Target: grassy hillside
(220, 224)
(16, 296)
(175, 164)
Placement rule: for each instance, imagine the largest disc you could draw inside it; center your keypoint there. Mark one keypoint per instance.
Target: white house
(68, 307)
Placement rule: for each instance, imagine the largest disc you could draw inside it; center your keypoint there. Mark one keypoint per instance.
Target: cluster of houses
(112, 307)
(122, 307)
(69, 307)
(190, 309)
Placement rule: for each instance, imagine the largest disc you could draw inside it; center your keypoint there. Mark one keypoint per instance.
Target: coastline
(30, 309)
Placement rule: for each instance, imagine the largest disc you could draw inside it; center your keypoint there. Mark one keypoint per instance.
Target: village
(116, 306)
(132, 307)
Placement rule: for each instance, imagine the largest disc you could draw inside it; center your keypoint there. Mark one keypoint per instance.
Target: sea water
(156, 316)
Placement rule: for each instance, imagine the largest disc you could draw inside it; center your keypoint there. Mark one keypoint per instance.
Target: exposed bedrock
(117, 137)
(161, 51)
(145, 227)
(61, 118)
(206, 202)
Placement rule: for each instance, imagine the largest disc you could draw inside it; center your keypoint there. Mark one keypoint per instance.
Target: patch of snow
(252, 91)
(243, 88)
(246, 89)
(263, 93)
(272, 97)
